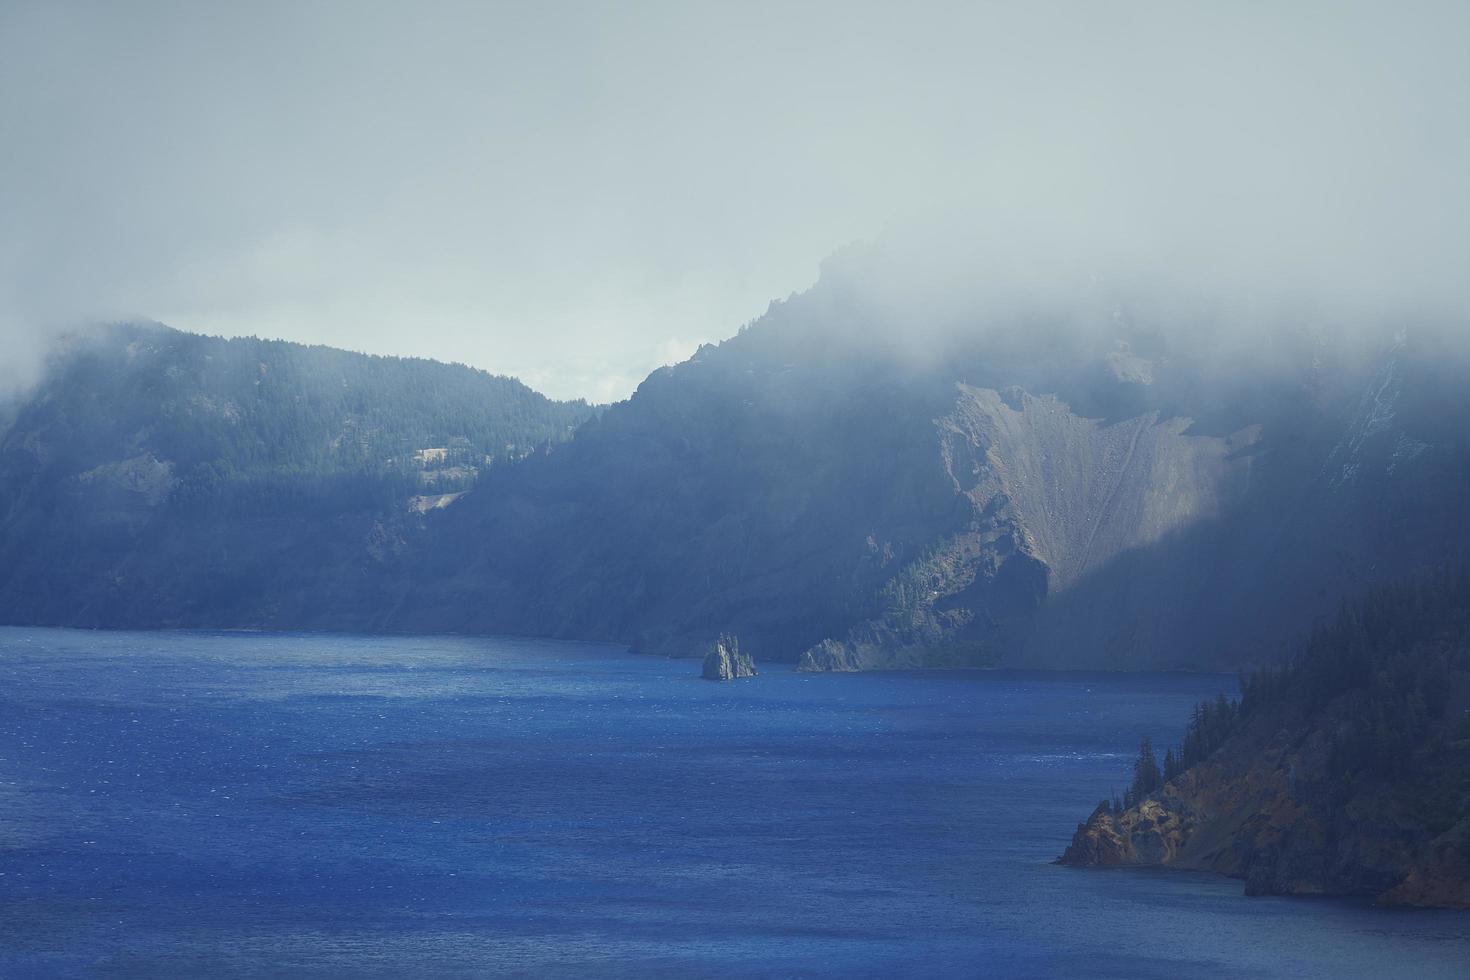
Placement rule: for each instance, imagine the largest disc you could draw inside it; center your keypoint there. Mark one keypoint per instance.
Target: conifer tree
(1146, 776)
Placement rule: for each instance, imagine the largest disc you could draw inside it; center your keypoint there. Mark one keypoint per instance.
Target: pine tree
(1146, 776)
(1172, 768)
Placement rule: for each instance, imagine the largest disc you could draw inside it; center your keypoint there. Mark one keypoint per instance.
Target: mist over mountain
(856, 484)
(573, 195)
(158, 478)
(871, 475)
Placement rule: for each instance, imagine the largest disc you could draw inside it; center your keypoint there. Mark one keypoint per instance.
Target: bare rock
(725, 662)
(1154, 832)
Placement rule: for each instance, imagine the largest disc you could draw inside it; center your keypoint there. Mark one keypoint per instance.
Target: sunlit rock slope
(846, 490)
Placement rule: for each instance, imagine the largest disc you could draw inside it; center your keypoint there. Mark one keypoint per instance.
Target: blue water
(189, 804)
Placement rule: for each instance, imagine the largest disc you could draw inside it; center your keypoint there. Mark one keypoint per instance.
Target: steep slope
(1188, 549)
(1052, 494)
(866, 477)
(1347, 773)
(840, 488)
(728, 491)
(158, 478)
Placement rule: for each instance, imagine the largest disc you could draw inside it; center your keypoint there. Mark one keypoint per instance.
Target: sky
(577, 193)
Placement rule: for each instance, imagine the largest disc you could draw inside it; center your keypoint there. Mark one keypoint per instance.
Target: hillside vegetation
(866, 477)
(1344, 771)
(163, 478)
(848, 485)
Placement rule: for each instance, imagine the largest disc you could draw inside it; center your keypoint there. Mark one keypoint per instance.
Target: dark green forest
(1385, 672)
(153, 473)
(221, 407)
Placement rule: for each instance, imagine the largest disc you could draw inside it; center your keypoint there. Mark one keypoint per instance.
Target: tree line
(1386, 659)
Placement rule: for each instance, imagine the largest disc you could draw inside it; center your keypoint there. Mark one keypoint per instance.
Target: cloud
(555, 190)
(675, 349)
(25, 352)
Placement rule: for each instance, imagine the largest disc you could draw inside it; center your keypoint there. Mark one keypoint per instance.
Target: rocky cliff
(1276, 822)
(1327, 787)
(1049, 495)
(851, 489)
(726, 662)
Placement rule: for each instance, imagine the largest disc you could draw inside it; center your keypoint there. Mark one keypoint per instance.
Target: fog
(577, 193)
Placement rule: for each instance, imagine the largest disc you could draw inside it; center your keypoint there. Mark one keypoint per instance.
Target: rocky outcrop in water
(726, 662)
(1151, 833)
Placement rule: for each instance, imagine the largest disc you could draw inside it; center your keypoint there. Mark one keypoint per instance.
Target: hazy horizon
(574, 195)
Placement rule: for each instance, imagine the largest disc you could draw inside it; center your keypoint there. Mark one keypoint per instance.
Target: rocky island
(1345, 773)
(725, 662)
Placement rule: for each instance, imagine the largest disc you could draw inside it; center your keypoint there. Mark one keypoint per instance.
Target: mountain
(159, 478)
(1346, 772)
(880, 472)
(850, 485)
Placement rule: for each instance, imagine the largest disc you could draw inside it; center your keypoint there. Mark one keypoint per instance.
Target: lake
(213, 804)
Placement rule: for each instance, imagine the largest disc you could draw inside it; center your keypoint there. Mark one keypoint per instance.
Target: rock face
(1284, 841)
(1365, 791)
(1283, 844)
(725, 662)
(1151, 833)
(1050, 498)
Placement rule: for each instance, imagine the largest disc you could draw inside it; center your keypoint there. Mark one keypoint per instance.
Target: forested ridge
(1345, 769)
(1029, 492)
(1387, 662)
(156, 477)
(250, 404)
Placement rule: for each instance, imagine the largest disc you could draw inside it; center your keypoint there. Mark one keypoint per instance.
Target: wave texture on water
(185, 804)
